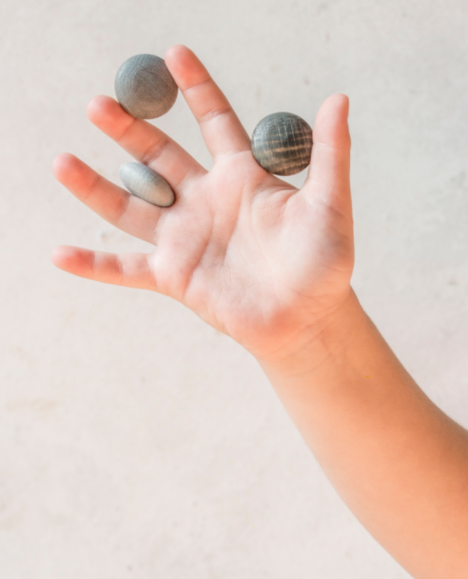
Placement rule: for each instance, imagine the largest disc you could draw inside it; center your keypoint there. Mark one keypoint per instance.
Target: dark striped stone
(145, 87)
(282, 144)
(146, 184)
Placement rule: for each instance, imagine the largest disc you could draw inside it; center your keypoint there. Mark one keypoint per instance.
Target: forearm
(397, 460)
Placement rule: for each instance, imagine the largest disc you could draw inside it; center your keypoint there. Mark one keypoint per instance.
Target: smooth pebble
(282, 143)
(145, 87)
(146, 184)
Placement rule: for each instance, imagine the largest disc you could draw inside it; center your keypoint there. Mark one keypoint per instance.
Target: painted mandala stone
(145, 87)
(143, 182)
(282, 144)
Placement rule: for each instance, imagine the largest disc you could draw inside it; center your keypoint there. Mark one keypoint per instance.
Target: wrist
(317, 346)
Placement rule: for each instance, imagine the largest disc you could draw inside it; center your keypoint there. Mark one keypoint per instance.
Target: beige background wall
(135, 441)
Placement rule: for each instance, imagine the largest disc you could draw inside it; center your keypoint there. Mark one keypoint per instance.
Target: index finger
(222, 130)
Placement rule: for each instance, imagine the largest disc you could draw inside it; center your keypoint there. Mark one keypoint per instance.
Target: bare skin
(270, 266)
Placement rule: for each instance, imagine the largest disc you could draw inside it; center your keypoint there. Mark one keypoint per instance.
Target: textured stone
(146, 184)
(282, 143)
(145, 87)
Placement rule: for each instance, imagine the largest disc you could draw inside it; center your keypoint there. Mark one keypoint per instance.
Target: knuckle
(154, 150)
(213, 113)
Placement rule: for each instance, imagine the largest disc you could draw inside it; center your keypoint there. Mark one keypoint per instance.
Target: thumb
(328, 175)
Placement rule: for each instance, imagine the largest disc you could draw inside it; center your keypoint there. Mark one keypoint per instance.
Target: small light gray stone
(143, 182)
(282, 144)
(144, 86)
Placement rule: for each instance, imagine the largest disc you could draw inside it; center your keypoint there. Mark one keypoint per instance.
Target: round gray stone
(145, 87)
(143, 182)
(282, 143)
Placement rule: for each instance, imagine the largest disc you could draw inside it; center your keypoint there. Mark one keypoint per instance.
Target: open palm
(250, 254)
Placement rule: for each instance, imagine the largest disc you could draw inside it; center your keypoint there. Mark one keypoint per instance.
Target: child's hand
(253, 256)
(271, 267)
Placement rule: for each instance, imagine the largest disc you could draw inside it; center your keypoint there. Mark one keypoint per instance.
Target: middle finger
(144, 142)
